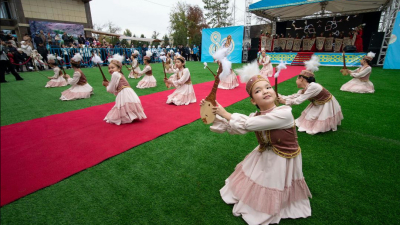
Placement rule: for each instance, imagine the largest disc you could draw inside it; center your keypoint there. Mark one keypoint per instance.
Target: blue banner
(213, 39)
(393, 53)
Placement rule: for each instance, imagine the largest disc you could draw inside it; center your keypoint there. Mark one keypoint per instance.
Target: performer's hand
(219, 110)
(281, 100)
(105, 83)
(49, 78)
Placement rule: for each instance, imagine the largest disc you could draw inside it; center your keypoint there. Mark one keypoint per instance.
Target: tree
(178, 24)
(127, 33)
(154, 36)
(166, 40)
(112, 28)
(196, 23)
(217, 12)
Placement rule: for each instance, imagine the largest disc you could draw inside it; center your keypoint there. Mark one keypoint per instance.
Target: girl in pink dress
(148, 80)
(127, 106)
(324, 112)
(265, 61)
(268, 185)
(184, 93)
(135, 66)
(360, 82)
(79, 85)
(58, 80)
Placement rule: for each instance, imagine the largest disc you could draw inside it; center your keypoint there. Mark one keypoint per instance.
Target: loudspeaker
(350, 48)
(278, 49)
(252, 55)
(254, 43)
(375, 42)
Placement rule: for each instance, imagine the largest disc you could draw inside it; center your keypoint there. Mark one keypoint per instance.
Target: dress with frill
(148, 80)
(58, 79)
(229, 82)
(360, 82)
(265, 187)
(316, 118)
(127, 106)
(267, 69)
(169, 67)
(78, 88)
(135, 68)
(184, 93)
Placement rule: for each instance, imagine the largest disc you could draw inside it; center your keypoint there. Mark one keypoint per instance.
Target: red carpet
(43, 151)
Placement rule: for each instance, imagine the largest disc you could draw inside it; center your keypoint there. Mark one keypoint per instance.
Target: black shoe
(3, 81)
(20, 78)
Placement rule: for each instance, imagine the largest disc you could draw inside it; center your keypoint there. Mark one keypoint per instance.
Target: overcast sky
(146, 16)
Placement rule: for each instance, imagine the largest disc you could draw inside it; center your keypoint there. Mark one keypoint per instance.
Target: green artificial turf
(175, 179)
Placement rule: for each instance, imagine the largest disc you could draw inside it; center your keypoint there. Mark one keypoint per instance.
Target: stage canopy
(121, 36)
(284, 10)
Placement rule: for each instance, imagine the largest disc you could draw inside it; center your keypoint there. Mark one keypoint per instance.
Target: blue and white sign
(215, 38)
(393, 53)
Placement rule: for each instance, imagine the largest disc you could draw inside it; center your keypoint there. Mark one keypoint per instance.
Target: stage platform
(325, 58)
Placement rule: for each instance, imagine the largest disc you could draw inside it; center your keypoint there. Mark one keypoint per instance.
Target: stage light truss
(386, 24)
(247, 26)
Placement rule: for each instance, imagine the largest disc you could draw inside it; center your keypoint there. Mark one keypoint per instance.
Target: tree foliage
(186, 21)
(127, 33)
(166, 40)
(217, 13)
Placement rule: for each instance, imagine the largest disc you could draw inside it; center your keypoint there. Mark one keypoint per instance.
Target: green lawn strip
(29, 99)
(175, 179)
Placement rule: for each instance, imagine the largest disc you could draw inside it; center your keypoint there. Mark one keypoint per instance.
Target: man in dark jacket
(37, 39)
(5, 64)
(81, 40)
(20, 57)
(42, 50)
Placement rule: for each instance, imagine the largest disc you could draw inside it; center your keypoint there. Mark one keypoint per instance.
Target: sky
(146, 16)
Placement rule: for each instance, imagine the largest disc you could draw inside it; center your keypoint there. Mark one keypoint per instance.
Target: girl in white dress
(127, 106)
(80, 88)
(265, 61)
(169, 65)
(58, 80)
(228, 78)
(268, 185)
(135, 65)
(324, 112)
(148, 80)
(184, 93)
(360, 82)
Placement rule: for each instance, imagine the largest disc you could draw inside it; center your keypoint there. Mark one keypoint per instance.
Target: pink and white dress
(127, 106)
(229, 82)
(148, 80)
(169, 66)
(184, 93)
(79, 88)
(360, 82)
(135, 68)
(57, 80)
(321, 115)
(268, 185)
(267, 69)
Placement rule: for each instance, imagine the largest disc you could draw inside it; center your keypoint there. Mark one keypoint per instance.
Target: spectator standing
(37, 39)
(6, 64)
(42, 50)
(195, 52)
(28, 40)
(43, 37)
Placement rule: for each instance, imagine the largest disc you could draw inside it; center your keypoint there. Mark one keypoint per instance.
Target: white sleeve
(147, 68)
(312, 90)
(362, 73)
(268, 61)
(113, 84)
(56, 72)
(75, 78)
(185, 77)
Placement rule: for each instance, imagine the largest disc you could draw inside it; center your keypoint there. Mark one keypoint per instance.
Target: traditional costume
(228, 78)
(79, 85)
(266, 70)
(360, 82)
(169, 64)
(268, 185)
(58, 80)
(148, 80)
(135, 66)
(37, 60)
(184, 93)
(324, 112)
(127, 104)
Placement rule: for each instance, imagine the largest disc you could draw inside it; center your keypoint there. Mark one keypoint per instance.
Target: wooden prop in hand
(206, 111)
(165, 76)
(344, 70)
(62, 68)
(276, 91)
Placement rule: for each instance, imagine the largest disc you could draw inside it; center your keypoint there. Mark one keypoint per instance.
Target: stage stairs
(301, 57)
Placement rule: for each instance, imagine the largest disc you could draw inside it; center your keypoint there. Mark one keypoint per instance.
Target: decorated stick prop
(206, 66)
(96, 59)
(165, 75)
(206, 113)
(38, 72)
(344, 70)
(280, 67)
(62, 67)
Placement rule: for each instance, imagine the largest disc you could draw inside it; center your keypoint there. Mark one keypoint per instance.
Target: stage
(325, 58)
